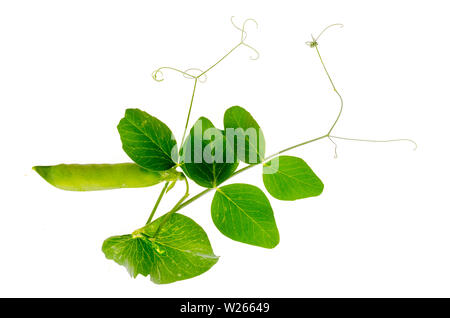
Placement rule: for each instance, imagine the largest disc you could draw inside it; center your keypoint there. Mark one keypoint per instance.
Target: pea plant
(173, 247)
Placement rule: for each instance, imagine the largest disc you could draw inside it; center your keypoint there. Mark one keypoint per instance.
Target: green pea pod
(92, 177)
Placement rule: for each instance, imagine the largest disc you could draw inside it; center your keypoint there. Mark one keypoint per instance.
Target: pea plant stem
(189, 112)
(174, 209)
(194, 198)
(157, 203)
(334, 89)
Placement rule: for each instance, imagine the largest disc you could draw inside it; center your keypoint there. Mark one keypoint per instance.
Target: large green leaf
(206, 156)
(290, 178)
(243, 130)
(180, 251)
(147, 140)
(243, 213)
(91, 177)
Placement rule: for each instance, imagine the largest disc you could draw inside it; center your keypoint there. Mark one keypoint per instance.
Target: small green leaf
(180, 251)
(91, 177)
(206, 156)
(290, 178)
(147, 140)
(247, 136)
(243, 213)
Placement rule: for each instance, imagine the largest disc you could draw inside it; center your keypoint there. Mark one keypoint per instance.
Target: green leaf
(180, 251)
(91, 177)
(206, 156)
(147, 140)
(290, 178)
(243, 213)
(246, 135)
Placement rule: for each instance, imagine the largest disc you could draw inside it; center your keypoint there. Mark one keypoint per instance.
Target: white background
(69, 69)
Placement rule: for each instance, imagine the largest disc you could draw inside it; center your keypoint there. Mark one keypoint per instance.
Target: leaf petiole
(189, 112)
(174, 209)
(157, 203)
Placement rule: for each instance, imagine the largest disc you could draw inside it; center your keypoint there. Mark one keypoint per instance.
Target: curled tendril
(253, 58)
(201, 78)
(158, 75)
(335, 147)
(376, 140)
(314, 43)
(243, 32)
(369, 140)
(244, 35)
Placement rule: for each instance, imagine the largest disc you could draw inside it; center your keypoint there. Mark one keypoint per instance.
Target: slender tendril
(189, 112)
(158, 75)
(374, 140)
(314, 44)
(335, 147)
(331, 25)
(334, 89)
(220, 60)
(201, 78)
(242, 42)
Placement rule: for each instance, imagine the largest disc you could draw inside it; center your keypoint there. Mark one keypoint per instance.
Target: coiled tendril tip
(157, 73)
(202, 77)
(314, 43)
(244, 35)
